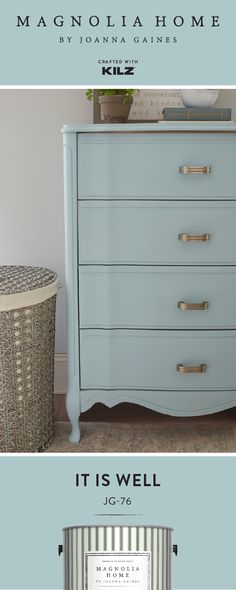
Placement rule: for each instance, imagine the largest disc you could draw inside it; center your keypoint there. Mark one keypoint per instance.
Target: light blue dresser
(150, 219)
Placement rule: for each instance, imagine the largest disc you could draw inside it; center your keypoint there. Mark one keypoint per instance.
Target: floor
(128, 428)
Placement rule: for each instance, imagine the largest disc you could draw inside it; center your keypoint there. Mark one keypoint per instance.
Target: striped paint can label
(86, 548)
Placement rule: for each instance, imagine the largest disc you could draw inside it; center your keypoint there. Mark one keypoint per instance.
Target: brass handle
(195, 169)
(192, 306)
(191, 369)
(194, 237)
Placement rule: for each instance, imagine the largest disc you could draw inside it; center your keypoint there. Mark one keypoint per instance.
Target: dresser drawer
(127, 232)
(157, 297)
(148, 359)
(133, 165)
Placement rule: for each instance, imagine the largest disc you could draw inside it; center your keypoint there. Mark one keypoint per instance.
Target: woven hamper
(27, 339)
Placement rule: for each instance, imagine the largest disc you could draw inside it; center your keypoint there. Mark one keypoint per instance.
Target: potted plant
(115, 104)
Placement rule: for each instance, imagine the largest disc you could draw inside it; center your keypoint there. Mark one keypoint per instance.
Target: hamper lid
(22, 286)
(15, 279)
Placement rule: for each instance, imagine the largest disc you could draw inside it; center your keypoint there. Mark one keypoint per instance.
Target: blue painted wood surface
(143, 165)
(126, 267)
(163, 127)
(133, 359)
(147, 297)
(173, 403)
(130, 232)
(71, 275)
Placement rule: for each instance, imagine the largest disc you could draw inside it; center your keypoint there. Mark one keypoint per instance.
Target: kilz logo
(117, 71)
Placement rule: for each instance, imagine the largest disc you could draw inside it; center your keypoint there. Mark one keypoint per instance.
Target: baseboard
(60, 378)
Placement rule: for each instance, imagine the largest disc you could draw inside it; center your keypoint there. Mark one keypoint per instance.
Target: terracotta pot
(115, 108)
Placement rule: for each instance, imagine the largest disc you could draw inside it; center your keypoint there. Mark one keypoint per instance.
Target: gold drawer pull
(194, 237)
(191, 369)
(195, 169)
(192, 306)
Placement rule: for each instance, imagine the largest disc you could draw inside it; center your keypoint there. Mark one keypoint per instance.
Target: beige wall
(227, 98)
(31, 181)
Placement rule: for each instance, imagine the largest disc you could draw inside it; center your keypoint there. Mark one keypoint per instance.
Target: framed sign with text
(147, 106)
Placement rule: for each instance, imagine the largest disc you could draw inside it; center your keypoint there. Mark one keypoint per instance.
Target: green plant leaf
(125, 92)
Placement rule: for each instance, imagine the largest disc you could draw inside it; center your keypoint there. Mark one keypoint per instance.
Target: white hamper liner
(117, 557)
(27, 340)
(28, 298)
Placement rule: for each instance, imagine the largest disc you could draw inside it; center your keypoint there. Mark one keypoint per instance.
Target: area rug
(100, 437)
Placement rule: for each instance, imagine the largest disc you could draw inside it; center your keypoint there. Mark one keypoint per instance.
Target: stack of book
(198, 114)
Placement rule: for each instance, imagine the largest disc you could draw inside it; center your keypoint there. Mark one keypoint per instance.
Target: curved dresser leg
(74, 436)
(73, 410)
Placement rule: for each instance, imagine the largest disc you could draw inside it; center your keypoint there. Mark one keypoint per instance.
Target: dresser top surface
(162, 127)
